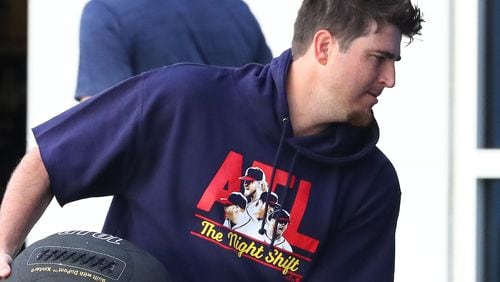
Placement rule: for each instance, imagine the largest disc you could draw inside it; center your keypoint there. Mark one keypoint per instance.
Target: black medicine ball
(85, 256)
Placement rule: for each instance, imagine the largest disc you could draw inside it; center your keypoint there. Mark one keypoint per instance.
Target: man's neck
(300, 86)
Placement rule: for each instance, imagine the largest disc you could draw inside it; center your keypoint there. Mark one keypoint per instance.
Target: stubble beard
(360, 118)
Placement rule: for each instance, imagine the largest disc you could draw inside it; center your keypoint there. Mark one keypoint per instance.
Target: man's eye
(379, 58)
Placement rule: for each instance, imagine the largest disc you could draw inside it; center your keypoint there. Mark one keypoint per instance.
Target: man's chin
(361, 119)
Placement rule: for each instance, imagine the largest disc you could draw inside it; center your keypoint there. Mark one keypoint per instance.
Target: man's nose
(388, 74)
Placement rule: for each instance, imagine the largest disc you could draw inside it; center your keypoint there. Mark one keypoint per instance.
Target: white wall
(52, 68)
(413, 118)
(414, 123)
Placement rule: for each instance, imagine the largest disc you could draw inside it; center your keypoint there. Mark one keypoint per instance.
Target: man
(258, 213)
(235, 214)
(254, 184)
(268, 201)
(168, 144)
(275, 227)
(119, 39)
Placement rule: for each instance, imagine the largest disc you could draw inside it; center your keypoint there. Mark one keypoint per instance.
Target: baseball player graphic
(236, 215)
(271, 199)
(254, 184)
(258, 212)
(277, 222)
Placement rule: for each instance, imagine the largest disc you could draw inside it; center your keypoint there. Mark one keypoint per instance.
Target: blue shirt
(122, 38)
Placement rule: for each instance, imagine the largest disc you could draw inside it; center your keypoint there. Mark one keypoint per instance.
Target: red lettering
(280, 176)
(296, 214)
(224, 182)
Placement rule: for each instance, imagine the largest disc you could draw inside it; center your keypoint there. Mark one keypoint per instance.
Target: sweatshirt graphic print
(257, 226)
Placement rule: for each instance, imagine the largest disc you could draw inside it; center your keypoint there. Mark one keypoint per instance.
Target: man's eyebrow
(389, 55)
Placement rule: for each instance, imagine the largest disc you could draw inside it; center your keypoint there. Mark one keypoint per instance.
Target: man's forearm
(26, 198)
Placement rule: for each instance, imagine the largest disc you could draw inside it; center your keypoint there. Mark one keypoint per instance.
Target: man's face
(280, 229)
(354, 78)
(261, 210)
(250, 187)
(282, 225)
(232, 213)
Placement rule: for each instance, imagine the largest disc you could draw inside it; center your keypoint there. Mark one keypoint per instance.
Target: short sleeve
(90, 149)
(104, 58)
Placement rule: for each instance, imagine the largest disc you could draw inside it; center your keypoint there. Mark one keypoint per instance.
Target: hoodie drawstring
(280, 208)
(273, 173)
(284, 121)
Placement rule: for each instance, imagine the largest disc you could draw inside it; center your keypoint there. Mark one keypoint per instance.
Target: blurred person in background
(123, 38)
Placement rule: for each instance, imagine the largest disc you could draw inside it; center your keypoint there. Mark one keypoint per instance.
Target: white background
(414, 118)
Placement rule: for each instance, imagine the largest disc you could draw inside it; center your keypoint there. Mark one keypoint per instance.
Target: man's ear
(323, 41)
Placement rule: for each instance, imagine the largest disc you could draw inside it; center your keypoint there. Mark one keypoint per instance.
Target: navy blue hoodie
(178, 146)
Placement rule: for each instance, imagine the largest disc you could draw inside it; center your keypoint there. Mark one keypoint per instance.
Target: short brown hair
(349, 19)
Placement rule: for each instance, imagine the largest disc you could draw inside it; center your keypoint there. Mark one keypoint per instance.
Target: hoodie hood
(341, 143)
